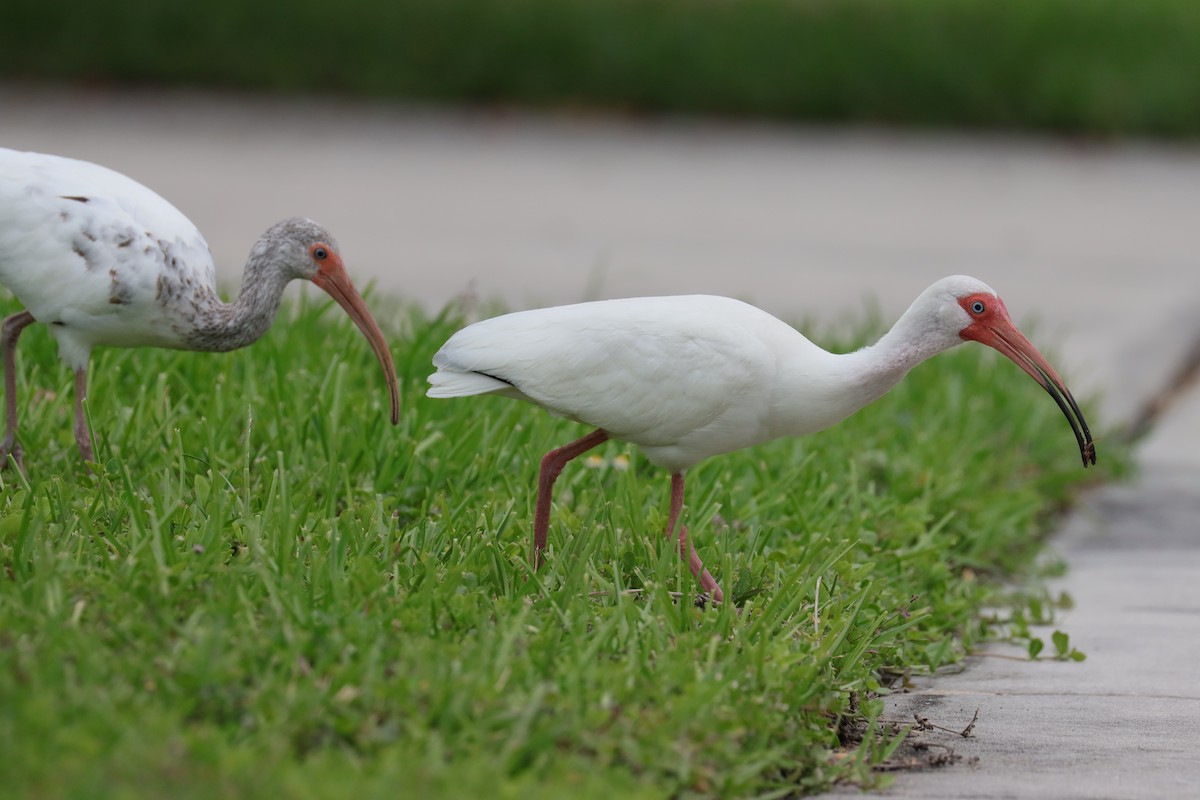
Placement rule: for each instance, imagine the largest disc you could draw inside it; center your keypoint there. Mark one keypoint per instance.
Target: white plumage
(76, 238)
(682, 377)
(689, 377)
(103, 260)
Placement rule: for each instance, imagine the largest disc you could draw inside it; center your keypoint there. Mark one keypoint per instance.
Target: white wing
(663, 372)
(84, 245)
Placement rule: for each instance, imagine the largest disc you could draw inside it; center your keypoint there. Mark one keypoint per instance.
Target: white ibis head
(975, 312)
(304, 249)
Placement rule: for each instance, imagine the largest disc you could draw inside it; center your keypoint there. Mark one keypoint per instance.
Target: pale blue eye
(977, 307)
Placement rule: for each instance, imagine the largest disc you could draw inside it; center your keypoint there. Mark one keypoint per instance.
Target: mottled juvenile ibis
(103, 260)
(689, 377)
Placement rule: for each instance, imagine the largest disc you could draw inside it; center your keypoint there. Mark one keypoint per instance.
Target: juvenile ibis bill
(103, 260)
(689, 377)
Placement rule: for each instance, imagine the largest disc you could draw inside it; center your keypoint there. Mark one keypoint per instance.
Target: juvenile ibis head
(300, 248)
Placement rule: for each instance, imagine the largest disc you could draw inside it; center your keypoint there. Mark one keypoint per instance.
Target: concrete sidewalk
(1096, 242)
(1126, 722)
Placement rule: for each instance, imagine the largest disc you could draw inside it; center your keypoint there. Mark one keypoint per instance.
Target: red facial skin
(991, 325)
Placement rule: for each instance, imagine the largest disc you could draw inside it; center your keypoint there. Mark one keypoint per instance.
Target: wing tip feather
(446, 383)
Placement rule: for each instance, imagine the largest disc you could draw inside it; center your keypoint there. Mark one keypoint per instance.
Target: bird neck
(221, 326)
(825, 388)
(871, 372)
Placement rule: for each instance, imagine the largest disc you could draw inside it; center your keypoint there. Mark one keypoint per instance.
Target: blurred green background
(1098, 67)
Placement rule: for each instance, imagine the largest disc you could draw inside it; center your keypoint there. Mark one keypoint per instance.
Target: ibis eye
(320, 253)
(977, 307)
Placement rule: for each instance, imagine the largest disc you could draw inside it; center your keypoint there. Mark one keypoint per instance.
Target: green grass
(268, 591)
(1083, 66)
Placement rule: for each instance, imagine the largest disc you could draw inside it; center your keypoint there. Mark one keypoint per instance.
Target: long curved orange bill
(332, 278)
(1002, 335)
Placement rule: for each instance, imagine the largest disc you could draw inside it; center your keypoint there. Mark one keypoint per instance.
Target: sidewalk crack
(1184, 379)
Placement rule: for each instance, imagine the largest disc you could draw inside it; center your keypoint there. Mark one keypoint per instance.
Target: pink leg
(82, 438)
(686, 551)
(552, 464)
(10, 332)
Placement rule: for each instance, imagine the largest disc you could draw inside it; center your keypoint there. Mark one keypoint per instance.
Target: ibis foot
(83, 437)
(11, 447)
(10, 332)
(712, 590)
(552, 465)
(687, 551)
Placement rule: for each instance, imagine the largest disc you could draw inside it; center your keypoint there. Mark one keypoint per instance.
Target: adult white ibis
(685, 378)
(103, 260)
